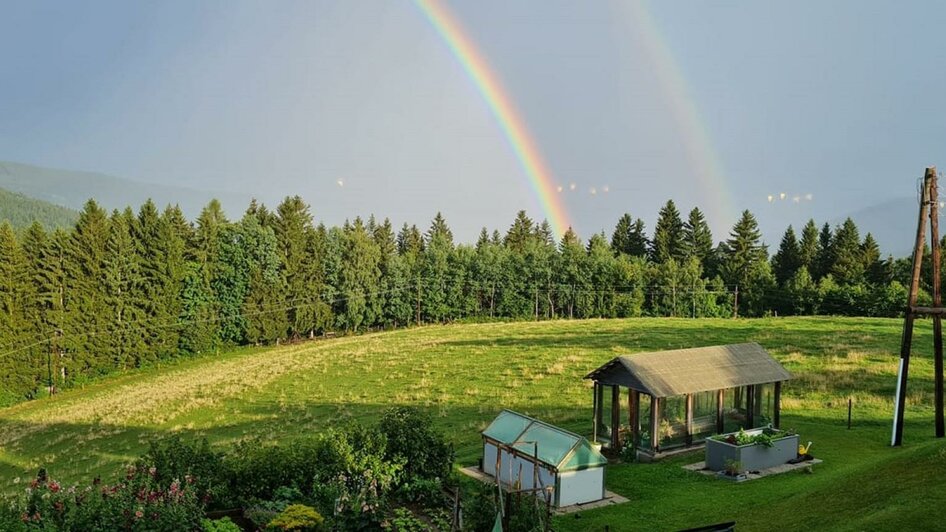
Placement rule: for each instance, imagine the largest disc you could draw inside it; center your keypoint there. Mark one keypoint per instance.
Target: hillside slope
(72, 189)
(21, 211)
(464, 374)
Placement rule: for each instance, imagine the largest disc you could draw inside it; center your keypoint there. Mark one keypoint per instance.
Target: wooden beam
(906, 340)
(720, 425)
(634, 413)
(750, 406)
(616, 418)
(937, 303)
(927, 311)
(596, 415)
(689, 420)
(654, 424)
(777, 407)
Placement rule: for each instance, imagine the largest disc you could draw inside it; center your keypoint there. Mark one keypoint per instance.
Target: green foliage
(219, 525)
(297, 517)
(22, 211)
(126, 290)
(136, 502)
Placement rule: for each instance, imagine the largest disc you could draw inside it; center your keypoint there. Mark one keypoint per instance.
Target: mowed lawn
(464, 374)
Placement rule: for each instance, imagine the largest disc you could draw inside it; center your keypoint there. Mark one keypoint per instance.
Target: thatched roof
(698, 369)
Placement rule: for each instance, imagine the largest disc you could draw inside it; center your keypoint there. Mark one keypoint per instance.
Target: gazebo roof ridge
(692, 370)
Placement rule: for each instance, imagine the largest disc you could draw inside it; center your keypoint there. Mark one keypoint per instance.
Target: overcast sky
(840, 102)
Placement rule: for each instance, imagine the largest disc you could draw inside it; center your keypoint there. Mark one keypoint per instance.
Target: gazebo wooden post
(720, 397)
(633, 415)
(750, 406)
(597, 413)
(777, 408)
(689, 418)
(654, 424)
(616, 418)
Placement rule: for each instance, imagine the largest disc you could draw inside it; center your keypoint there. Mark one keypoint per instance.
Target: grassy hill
(22, 211)
(72, 189)
(464, 374)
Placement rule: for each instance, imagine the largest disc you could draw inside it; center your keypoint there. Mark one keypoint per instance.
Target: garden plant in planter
(754, 450)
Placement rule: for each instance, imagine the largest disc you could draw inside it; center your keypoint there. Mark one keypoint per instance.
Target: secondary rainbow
(512, 125)
(697, 144)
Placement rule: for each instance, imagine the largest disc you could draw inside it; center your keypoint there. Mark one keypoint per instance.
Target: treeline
(127, 289)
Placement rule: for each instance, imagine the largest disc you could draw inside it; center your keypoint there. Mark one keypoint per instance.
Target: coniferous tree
(520, 233)
(122, 275)
(824, 258)
(697, 238)
(638, 244)
(86, 306)
(622, 236)
(669, 239)
(570, 272)
(15, 382)
(436, 265)
(746, 265)
(359, 276)
(292, 226)
(787, 259)
(848, 264)
(808, 246)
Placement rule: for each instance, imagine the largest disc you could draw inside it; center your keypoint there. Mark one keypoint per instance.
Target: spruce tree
(824, 258)
(622, 236)
(520, 233)
(668, 243)
(787, 260)
(848, 264)
(697, 238)
(808, 247)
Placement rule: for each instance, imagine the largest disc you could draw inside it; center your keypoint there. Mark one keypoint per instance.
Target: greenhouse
(676, 399)
(533, 456)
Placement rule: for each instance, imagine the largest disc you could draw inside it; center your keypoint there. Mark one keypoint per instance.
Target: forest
(127, 289)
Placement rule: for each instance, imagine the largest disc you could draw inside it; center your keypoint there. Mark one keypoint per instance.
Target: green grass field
(464, 374)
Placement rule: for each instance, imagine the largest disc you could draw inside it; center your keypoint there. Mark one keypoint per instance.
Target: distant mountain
(892, 222)
(72, 189)
(22, 211)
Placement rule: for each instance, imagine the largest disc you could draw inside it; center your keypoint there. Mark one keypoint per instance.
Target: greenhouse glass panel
(507, 426)
(643, 441)
(764, 407)
(734, 409)
(704, 415)
(673, 421)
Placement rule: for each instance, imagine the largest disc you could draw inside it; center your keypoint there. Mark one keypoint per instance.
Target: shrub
(411, 438)
(136, 502)
(195, 462)
(297, 517)
(220, 525)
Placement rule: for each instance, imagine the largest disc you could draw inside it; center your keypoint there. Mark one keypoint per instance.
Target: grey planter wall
(752, 457)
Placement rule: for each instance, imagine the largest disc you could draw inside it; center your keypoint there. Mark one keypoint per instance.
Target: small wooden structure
(676, 399)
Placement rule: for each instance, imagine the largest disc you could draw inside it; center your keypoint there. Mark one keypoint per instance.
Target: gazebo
(676, 399)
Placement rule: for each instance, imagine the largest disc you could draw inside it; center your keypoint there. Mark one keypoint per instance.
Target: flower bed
(751, 450)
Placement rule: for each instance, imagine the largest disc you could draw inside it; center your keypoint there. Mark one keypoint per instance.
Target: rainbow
(512, 125)
(698, 146)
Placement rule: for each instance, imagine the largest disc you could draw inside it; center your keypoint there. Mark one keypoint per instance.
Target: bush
(136, 502)
(297, 517)
(194, 462)
(411, 438)
(220, 525)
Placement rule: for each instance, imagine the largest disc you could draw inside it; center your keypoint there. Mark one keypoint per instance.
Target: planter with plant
(755, 449)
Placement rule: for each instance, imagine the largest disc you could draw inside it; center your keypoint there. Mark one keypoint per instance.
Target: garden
(394, 474)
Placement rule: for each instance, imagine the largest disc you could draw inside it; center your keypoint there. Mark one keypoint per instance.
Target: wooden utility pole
(929, 203)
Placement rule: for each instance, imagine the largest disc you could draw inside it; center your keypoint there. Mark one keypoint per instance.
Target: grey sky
(840, 100)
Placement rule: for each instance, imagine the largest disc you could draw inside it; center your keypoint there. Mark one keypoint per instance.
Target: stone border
(700, 467)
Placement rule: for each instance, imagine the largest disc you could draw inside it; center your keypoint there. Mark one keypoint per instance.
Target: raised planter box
(751, 457)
